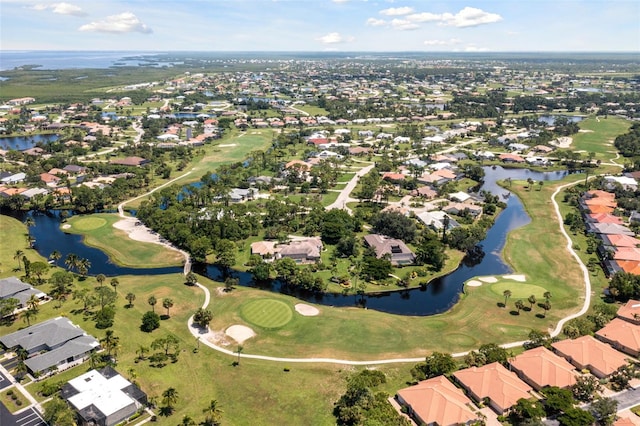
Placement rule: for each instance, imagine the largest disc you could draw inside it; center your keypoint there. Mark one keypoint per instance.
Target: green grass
(518, 290)
(598, 135)
(98, 231)
(11, 230)
(267, 313)
(11, 404)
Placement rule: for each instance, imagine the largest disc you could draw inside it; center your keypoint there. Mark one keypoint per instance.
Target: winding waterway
(439, 296)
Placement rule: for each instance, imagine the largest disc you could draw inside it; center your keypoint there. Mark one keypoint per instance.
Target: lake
(439, 296)
(20, 143)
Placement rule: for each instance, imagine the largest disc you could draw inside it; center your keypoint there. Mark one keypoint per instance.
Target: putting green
(518, 290)
(266, 313)
(88, 223)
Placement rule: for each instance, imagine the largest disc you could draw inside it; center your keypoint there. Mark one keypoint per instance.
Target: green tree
(167, 303)
(436, 364)
(18, 256)
(130, 298)
(239, 350)
(527, 409)
(170, 398)
(212, 413)
(532, 300)
(58, 413)
(557, 400)
(110, 341)
(101, 279)
(604, 410)
(586, 388)
(225, 255)
(546, 306)
(152, 301)
(191, 278)
(150, 321)
(576, 417)
(519, 305)
(105, 296)
(114, 283)
(202, 317)
(507, 295)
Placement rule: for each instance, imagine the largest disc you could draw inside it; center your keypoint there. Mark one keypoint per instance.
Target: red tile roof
(495, 382)
(590, 353)
(544, 368)
(621, 334)
(438, 401)
(630, 311)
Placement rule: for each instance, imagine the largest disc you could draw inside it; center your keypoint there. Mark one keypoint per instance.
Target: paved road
(343, 197)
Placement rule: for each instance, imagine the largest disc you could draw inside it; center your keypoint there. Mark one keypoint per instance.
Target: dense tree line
(629, 144)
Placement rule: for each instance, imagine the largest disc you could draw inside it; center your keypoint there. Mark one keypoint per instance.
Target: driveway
(28, 417)
(4, 382)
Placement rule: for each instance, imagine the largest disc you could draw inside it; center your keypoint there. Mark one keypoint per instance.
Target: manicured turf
(98, 231)
(518, 290)
(267, 313)
(88, 223)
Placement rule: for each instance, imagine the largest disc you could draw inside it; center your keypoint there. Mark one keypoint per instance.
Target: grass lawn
(13, 399)
(267, 313)
(518, 290)
(598, 135)
(98, 231)
(14, 234)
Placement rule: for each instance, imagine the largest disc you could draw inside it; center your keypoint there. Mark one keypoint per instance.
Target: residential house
(304, 250)
(540, 367)
(50, 180)
(425, 192)
(609, 229)
(630, 312)
(460, 208)
(622, 335)
(494, 384)
(437, 220)
(510, 158)
(398, 251)
(265, 249)
(130, 161)
(14, 178)
(51, 345)
(437, 401)
(103, 397)
(588, 353)
(13, 288)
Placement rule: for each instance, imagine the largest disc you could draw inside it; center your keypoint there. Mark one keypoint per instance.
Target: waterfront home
(396, 249)
(437, 401)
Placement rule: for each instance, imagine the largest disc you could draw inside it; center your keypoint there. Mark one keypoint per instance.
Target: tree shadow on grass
(541, 316)
(514, 312)
(500, 305)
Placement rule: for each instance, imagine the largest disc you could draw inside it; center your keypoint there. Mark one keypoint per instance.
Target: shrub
(150, 321)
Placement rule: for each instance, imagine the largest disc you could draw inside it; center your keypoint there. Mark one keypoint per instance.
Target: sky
(322, 25)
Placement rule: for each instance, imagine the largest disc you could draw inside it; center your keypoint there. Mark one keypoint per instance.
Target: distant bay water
(60, 59)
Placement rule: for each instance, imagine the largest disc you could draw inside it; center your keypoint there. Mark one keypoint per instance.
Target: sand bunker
(488, 279)
(585, 131)
(226, 145)
(137, 231)
(474, 283)
(239, 333)
(66, 226)
(562, 142)
(306, 310)
(520, 278)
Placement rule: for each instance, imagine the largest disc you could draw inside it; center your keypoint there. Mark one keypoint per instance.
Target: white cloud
(397, 11)
(450, 42)
(125, 22)
(60, 8)
(404, 25)
(373, 22)
(470, 17)
(334, 38)
(424, 17)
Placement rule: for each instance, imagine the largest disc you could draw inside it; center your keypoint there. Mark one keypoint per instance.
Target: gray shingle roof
(70, 349)
(10, 286)
(51, 333)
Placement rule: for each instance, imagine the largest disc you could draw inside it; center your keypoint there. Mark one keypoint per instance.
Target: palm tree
(18, 256)
(239, 351)
(114, 283)
(110, 341)
(187, 421)
(55, 256)
(130, 298)
(33, 303)
(507, 295)
(28, 315)
(547, 295)
(532, 300)
(170, 398)
(100, 278)
(142, 351)
(212, 413)
(83, 266)
(152, 301)
(167, 304)
(519, 305)
(71, 261)
(546, 306)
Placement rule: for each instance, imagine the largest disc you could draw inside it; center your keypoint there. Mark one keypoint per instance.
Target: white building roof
(105, 394)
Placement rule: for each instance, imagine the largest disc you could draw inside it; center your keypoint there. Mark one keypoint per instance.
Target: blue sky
(321, 25)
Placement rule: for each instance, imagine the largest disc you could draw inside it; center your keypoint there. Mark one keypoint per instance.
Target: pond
(439, 296)
(551, 119)
(20, 143)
